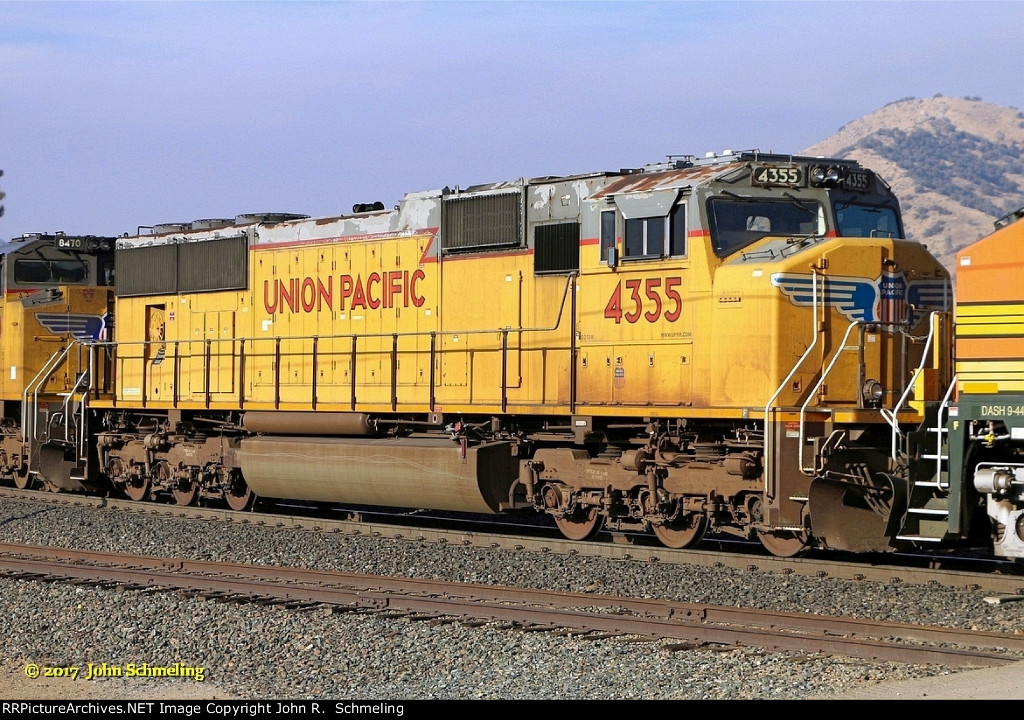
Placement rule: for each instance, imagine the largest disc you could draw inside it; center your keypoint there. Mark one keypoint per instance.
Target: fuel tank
(401, 472)
(307, 423)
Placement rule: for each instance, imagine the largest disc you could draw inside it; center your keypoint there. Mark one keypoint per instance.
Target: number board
(857, 180)
(69, 243)
(785, 175)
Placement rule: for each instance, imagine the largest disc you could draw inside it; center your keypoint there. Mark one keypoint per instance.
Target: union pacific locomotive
(741, 344)
(56, 302)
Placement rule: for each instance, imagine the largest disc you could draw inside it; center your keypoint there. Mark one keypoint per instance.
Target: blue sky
(117, 115)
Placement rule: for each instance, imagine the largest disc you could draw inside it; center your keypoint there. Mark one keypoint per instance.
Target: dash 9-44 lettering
(1002, 410)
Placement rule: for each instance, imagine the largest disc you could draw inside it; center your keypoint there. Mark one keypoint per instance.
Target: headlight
(824, 175)
(98, 245)
(872, 392)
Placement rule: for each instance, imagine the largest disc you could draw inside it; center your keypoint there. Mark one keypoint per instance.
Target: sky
(121, 115)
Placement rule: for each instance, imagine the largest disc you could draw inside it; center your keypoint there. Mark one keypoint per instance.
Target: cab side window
(607, 233)
(655, 237)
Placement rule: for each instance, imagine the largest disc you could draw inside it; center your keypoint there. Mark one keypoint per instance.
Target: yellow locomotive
(57, 294)
(737, 343)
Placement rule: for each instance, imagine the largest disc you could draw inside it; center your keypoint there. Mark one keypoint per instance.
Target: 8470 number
(660, 296)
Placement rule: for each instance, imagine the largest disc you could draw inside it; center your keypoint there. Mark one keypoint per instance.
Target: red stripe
(432, 232)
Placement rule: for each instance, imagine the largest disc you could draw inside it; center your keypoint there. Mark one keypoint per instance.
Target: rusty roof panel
(665, 179)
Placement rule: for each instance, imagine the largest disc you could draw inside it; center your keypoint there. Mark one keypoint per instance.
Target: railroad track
(685, 625)
(1005, 582)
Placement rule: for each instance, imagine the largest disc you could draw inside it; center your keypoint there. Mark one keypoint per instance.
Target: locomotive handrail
(83, 378)
(346, 336)
(890, 415)
(28, 421)
(767, 408)
(82, 426)
(65, 412)
(814, 391)
(940, 428)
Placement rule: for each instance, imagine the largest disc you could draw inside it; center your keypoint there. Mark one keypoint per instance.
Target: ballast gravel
(253, 651)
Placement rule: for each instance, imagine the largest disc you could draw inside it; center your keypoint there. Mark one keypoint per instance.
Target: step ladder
(64, 427)
(927, 518)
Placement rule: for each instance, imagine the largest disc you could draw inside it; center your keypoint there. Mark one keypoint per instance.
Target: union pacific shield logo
(889, 299)
(892, 290)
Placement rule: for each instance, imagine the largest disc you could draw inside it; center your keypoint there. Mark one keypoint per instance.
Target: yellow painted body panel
(35, 326)
(636, 335)
(368, 304)
(172, 340)
(989, 321)
(482, 295)
(734, 337)
(353, 325)
(990, 348)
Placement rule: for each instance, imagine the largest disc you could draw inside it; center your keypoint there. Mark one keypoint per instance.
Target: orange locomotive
(979, 452)
(739, 344)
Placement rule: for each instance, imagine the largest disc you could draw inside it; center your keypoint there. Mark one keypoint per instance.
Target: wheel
(22, 479)
(783, 544)
(137, 487)
(580, 526)
(185, 492)
(780, 543)
(238, 495)
(683, 533)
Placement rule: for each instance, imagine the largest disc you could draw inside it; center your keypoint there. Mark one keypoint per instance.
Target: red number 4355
(632, 308)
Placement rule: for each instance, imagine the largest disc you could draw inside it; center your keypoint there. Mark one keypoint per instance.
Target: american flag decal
(80, 327)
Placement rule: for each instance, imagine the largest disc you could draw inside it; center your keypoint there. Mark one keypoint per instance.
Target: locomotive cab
(852, 323)
(790, 294)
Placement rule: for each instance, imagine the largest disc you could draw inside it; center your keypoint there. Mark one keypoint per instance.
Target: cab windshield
(50, 272)
(738, 222)
(862, 220)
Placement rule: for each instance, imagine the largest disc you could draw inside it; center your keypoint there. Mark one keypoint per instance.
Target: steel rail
(821, 565)
(529, 609)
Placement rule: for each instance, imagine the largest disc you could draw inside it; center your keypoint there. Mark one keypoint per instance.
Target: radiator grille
(482, 221)
(220, 264)
(556, 248)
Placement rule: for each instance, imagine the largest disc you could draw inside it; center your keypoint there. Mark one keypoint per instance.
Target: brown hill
(954, 163)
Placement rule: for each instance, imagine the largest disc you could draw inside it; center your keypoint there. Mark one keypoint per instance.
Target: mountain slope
(955, 165)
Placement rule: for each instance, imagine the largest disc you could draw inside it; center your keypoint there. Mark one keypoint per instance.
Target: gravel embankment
(254, 651)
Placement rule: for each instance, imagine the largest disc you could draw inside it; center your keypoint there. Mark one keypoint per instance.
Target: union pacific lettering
(379, 291)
